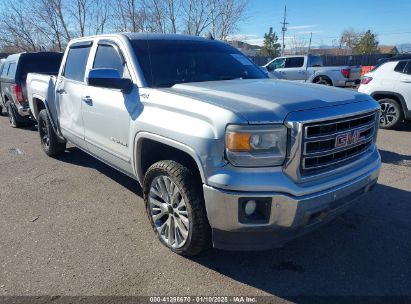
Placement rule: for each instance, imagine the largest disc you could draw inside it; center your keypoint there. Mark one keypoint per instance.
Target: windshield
(168, 62)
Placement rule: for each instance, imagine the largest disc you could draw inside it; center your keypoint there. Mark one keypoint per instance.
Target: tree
(350, 38)
(27, 25)
(368, 44)
(271, 47)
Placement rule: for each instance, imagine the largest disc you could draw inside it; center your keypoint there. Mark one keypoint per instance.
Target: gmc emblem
(349, 138)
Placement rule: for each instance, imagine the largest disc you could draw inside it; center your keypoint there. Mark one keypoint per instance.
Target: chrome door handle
(60, 91)
(406, 80)
(88, 100)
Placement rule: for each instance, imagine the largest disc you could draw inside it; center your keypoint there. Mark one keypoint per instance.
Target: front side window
(107, 57)
(76, 62)
(294, 62)
(165, 63)
(277, 64)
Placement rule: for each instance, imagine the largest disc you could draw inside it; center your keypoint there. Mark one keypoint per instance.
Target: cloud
(300, 27)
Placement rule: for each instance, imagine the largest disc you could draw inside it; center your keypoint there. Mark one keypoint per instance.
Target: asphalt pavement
(74, 226)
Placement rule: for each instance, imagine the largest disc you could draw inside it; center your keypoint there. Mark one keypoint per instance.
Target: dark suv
(13, 81)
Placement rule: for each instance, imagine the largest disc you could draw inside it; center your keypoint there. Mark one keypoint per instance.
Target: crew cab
(13, 81)
(225, 155)
(390, 84)
(310, 68)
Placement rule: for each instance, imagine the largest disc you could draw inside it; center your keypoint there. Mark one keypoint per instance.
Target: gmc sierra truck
(310, 68)
(225, 156)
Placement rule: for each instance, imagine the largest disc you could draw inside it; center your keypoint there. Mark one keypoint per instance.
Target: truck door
(69, 88)
(274, 67)
(294, 69)
(107, 112)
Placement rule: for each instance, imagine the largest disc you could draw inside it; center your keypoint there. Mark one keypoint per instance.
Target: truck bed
(41, 87)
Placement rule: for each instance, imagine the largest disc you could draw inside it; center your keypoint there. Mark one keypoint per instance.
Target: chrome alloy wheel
(389, 114)
(169, 211)
(44, 133)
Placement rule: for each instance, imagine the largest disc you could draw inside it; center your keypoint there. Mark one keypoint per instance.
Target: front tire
(175, 206)
(391, 115)
(48, 138)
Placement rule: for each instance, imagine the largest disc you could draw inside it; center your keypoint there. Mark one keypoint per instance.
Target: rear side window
(400, 66)
(107, 57)
(294, 62)
(315, 61)
(75, 66)
(12, 69)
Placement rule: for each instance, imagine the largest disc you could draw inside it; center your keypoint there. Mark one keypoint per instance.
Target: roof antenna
(209, 36)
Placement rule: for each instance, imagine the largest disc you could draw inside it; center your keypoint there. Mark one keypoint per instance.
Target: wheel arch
(39, 103)
(325, 76)
(377, 95)
(147, 148)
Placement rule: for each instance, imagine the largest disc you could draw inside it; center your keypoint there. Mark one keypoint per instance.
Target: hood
(266, 100)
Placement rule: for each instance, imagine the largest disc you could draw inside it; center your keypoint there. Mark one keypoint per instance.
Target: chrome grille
(332, 144)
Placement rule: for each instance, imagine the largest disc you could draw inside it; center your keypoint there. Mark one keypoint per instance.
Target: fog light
(254, 210)
(250, 207)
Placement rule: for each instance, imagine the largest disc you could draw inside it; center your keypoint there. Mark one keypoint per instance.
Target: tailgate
(355, 73)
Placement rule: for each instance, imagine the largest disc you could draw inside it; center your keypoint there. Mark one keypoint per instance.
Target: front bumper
(290, 216)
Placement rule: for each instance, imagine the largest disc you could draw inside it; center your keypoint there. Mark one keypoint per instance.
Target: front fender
(167, 141)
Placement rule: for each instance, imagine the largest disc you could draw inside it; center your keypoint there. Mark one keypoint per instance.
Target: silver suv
(225, 155)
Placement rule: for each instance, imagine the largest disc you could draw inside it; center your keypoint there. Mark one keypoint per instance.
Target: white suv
(390, 84)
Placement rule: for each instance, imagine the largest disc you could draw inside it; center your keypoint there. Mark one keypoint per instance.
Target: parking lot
(74, 226)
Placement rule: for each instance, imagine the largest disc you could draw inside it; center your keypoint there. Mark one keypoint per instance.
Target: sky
(326, 19)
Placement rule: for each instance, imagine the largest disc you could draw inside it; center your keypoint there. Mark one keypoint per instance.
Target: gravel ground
(74, 226)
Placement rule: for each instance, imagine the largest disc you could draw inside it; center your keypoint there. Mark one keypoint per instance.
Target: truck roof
(14, 57)
(145, 36)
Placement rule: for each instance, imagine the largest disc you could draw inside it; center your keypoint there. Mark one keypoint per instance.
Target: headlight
(256, 146)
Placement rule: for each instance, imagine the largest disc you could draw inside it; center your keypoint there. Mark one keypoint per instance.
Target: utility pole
(284, 29)
(309, 45)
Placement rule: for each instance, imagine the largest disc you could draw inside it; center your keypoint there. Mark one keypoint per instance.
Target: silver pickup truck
(225, 156)
(310, 68)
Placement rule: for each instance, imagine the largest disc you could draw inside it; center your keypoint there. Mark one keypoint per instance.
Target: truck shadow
(77, 157)
(389, 157)
(363, 252)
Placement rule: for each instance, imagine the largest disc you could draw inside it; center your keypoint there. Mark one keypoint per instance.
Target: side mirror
(108, 78)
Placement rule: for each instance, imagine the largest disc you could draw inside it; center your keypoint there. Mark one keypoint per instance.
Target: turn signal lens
(238, 141)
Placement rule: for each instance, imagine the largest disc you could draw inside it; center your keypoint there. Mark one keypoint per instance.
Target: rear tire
(13, 119)
(391, 115)
(174, 202)
(48, 138)
(323, 80)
